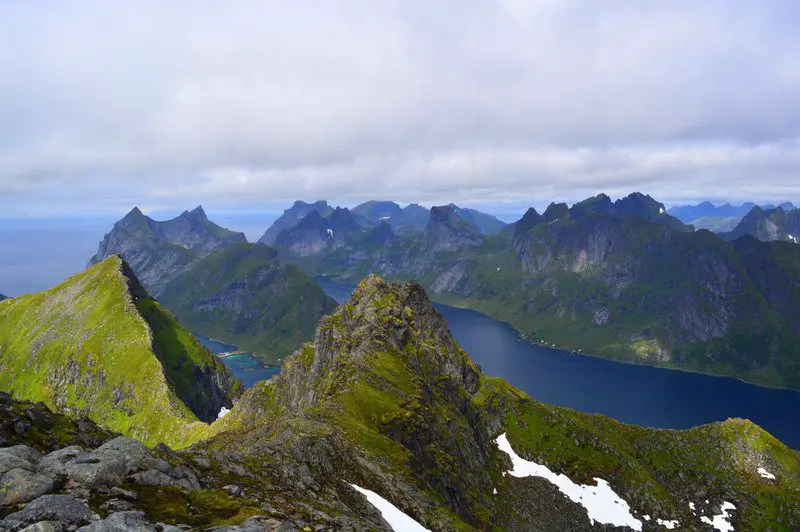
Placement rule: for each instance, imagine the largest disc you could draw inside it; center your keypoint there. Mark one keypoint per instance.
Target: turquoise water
(244, 367)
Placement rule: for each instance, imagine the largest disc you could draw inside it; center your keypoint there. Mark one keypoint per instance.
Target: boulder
(22, 485)
(29, 454)
(86, 470)
(131, 521)
(9, 462)
(44, 526)
(60, 508)
(132, 453)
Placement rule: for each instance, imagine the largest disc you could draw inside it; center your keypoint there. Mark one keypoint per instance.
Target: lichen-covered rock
(22, 485)
(64, 509)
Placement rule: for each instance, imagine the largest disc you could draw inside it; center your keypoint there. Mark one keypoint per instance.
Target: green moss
(197, 508)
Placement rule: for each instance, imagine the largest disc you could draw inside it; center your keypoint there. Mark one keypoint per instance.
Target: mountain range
(217, 283)
(619, 279)
(769, 224)
(717, 218)
(383, 419)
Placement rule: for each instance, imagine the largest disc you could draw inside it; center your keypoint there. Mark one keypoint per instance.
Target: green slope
(244, 296)
(98, 345)
(385, 398)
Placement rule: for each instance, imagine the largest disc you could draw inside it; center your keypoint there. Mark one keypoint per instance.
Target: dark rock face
(291, 217)
(314, 234)
(446, 231)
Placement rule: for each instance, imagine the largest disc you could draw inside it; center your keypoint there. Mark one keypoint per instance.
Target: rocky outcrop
(315, 233)
(447, 231)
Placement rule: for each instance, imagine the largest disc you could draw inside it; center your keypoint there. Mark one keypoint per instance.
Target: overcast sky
(241, 105)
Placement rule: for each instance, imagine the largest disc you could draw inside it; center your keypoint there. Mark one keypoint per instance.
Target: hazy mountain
(771, 224)
(98, 345)
(157, 251)
(292, 216)
(717, 218)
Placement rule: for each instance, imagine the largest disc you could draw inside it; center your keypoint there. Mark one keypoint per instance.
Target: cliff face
(98, 345)
(291, 217)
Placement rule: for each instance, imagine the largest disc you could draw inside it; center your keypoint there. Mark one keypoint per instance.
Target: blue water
(244, 367)
(654, 397)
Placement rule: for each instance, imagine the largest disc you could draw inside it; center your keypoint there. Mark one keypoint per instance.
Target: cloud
(107, 104)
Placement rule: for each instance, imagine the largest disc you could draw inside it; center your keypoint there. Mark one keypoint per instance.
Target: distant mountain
(292, 216)
(769, 224)
(219, 284)
(157, 251)
(2, 297)
(246, 296)
(314, 234)
(622, 279)
(486, 223)
(99, 345)
(722, 218)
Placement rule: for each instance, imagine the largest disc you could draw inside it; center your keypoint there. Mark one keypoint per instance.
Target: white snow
(330, 232)
(399, 521)
(720, 521)
(646, 517)
(223, 412)
(691, 507)
(494, 491)
(792, 238)
(661, 211)
(765, 474)
(384, 217)
(668, 524)
(600, 501)
(498, 268)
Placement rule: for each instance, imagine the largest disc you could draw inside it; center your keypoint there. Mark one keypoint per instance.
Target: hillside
(622, 280)
(99, 345)
(244, 295)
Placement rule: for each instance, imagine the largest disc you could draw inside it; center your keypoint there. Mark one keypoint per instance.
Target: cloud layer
(107, 104)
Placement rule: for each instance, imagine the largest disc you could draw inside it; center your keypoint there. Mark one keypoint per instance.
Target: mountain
(219, 285)
(245, 295)
(721, 218)
(99, 345)
(385, 423)
(618, 279)
(770, 224)
(315, 234)
(409, 219)
(2, 297)
(157, 251)
(291, 217)
(486, 223)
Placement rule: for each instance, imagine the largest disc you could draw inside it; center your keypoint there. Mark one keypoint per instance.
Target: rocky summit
(769, 224)
(383, 419)
(98, 345)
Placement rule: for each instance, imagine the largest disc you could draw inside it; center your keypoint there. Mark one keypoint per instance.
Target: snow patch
(668, 524)
(498, 268)
(661, 210)
(720, 521)
(600, 501)
(399, 521)
(646, 517)
(330, 232)
(223, 412)
(691, 506)
(384, 217)
(765, 474)
(494, 491)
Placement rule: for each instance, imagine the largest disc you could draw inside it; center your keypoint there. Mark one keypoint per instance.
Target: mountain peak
(197, 214)
(447, 231)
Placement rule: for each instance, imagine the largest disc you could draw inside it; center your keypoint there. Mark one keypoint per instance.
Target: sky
(246, 106)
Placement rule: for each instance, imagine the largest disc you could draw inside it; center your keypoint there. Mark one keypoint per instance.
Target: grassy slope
(83, 346)
(273, 307)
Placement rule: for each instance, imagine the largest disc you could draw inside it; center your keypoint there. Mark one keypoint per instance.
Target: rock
(29, 454)
(22, 485)
(125, 494)
(234, 490)
(87, 470)
(9, 462)
(152, 477)
(132, 453)
(256, 524)
(121, 522)
(44, 526)
(61, 508)
(117, 505)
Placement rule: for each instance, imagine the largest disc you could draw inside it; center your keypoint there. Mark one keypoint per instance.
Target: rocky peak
(447, 231)
(556, 212)
(197, 214)
(396, 319)
(638, 204)
(600, 204)
(527, 222)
